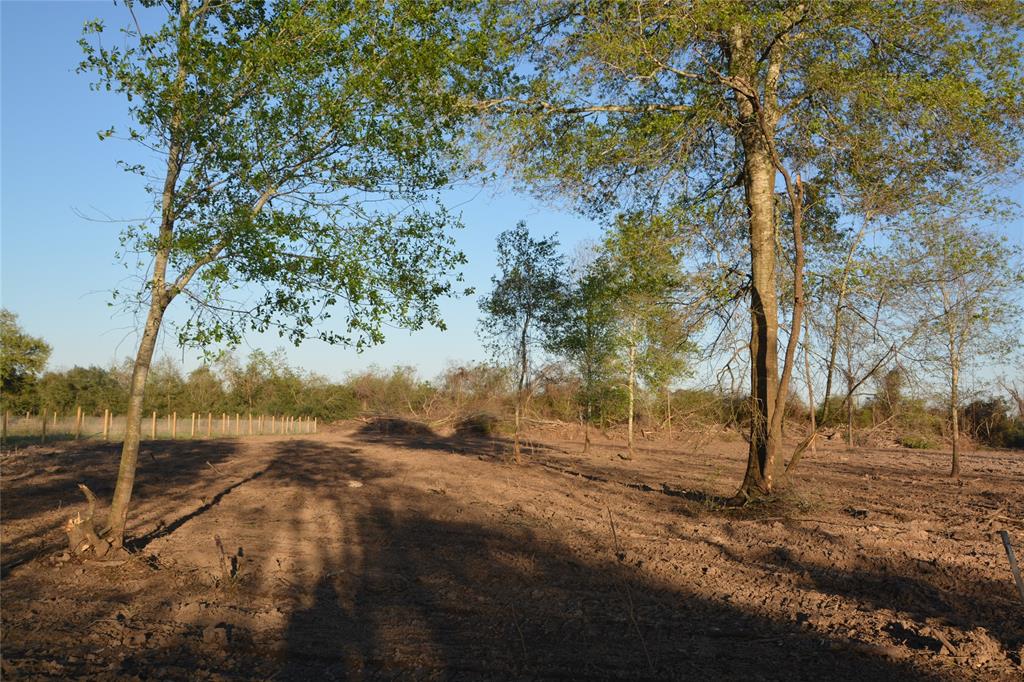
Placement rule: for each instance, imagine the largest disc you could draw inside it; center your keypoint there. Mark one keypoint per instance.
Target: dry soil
(386, 550)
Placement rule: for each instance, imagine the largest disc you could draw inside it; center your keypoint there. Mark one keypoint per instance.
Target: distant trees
(22, 359)
(94, 389)
(523, 309)
(963, 283)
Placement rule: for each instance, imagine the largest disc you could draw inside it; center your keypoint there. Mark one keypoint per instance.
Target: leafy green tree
(274, 122)
(204, 391)
(22, 359)
(523, 308)
(723, 111)
(247, 383)
(644, 272)
(964, 286)
(166, 390)
(585, 336)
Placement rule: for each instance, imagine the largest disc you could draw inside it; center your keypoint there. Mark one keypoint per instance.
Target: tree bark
(759, 185)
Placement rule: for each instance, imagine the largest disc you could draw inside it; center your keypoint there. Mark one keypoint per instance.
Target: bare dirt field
(385, 550)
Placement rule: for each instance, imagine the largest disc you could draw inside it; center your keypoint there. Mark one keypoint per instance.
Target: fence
(53, 426)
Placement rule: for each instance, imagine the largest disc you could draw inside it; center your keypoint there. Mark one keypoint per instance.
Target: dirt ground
(385, 550)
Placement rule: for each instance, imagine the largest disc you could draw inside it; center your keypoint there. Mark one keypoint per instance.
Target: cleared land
(386, 550)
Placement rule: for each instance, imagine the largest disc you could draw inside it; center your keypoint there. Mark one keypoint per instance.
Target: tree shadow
(948, 594)
(417, 592)
(40, 489)
(402, 582)
(465, 441)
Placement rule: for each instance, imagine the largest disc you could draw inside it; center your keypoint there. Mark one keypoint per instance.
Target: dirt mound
(396, 426)
(480, 425)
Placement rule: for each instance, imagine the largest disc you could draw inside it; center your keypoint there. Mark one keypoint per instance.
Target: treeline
(484, 396)
(263, 384)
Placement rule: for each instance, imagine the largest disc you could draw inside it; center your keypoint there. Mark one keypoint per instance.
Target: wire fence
(52, 426)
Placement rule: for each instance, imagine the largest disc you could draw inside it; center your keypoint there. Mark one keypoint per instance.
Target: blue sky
(57, 267)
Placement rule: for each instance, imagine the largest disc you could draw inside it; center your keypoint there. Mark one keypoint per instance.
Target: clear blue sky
(57, 269)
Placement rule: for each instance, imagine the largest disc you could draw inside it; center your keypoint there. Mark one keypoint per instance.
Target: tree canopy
(728, 116)
(22, 358)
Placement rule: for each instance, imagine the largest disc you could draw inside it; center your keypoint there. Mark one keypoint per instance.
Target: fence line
(50, 424)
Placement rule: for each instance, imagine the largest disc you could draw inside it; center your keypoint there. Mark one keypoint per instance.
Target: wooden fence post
(238, 424)
(250, 423)
(273, 423)
(78, 422)
(106, 424)
(3, 434)
(42, 437)
(152, 427)
(192, 432)
(55, 421)
(314, 424)
(174, 425)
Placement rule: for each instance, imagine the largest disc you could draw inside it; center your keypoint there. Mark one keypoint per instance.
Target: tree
(725, 111)
(22, 358)
(94, 389)
(523, 308)
(963, 284)
(643, 270)
(585, 336)
(275, 122)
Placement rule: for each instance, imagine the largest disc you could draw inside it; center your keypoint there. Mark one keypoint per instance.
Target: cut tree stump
(81, 531)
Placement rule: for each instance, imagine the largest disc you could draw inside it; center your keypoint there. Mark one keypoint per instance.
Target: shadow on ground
(417, 591)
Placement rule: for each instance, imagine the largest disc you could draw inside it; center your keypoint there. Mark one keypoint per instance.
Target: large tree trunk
(118, 516)
(764, 329)
(759, 186)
